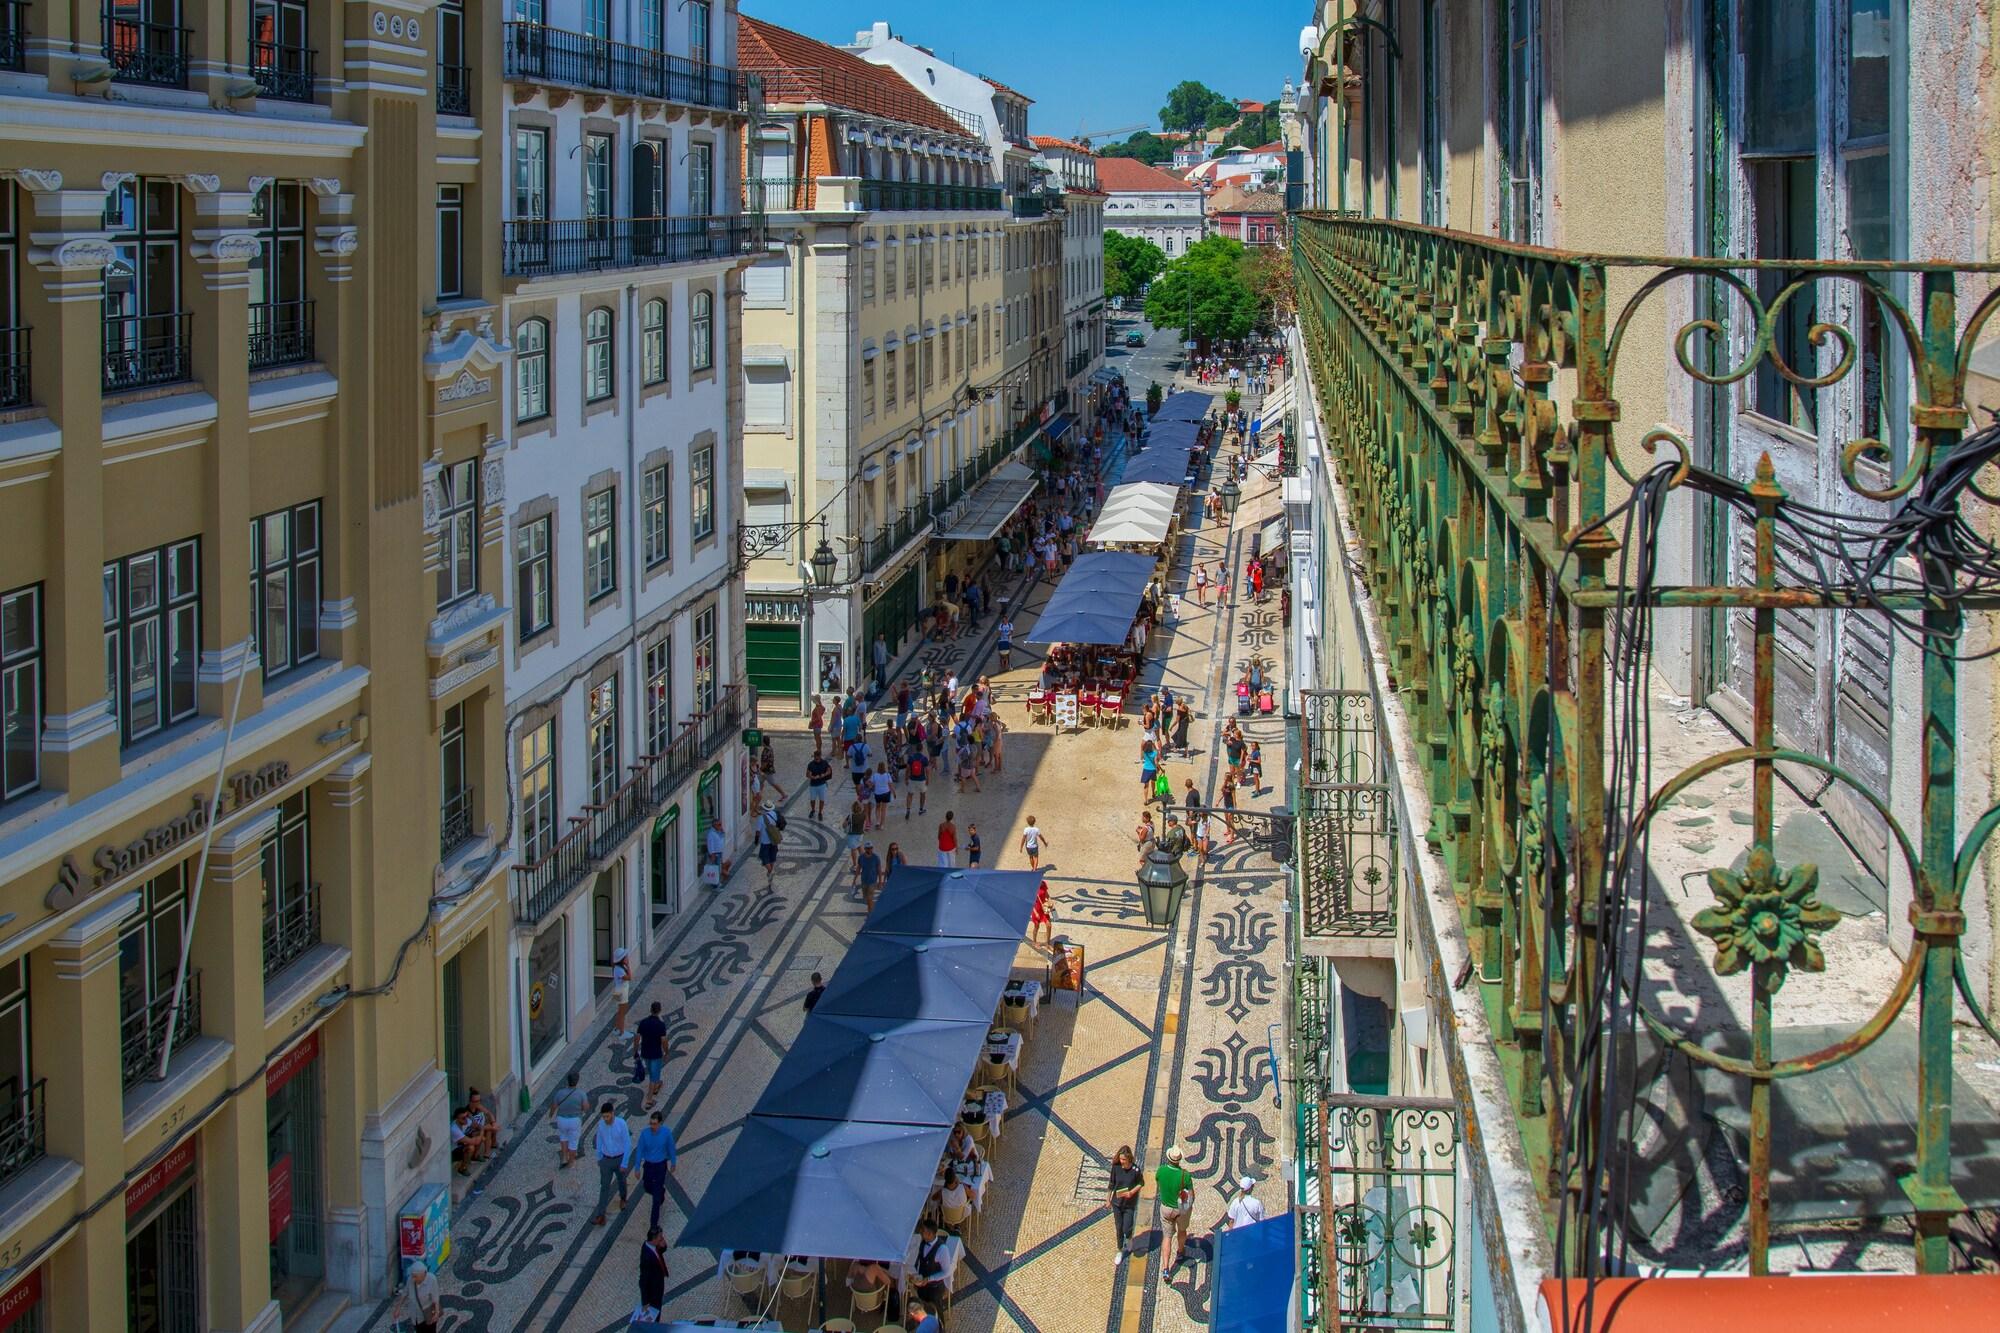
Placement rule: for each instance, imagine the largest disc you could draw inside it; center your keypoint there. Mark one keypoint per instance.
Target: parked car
(1135, 339)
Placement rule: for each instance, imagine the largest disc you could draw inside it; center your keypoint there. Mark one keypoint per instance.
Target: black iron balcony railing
(290, 928)
(454, 822)
(281, 334)
(537, 249)
(24, 1126)
(143, 350)
(282, 72)
(1036, 204)
(152, 53)
(541, 888)
(777, 194)
(927, 196)
(14, 385)
(13, 34)
(143, 1032)
(454, 89)
(538, 54)
(1077, 363)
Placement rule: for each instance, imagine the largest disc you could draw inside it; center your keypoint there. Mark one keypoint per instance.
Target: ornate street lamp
(823, 561)
(1162, 881)
(1230, 494)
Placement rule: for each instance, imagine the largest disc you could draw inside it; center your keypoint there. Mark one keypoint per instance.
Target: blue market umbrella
(893, 1071)
(904, 976)
(966, 904)
(822, 1188)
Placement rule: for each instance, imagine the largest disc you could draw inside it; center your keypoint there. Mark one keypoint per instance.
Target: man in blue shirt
(868, 872)
(657, 1156)
(925, 1321)
(614, 1158)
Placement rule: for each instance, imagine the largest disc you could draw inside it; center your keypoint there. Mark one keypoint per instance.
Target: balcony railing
(1031, 205)
(290, 929)
(777, 194)
(15, 387)
(454, 95)
(1077, 363)
(541, 888)
(143, 1032)
(454, 822)
(13, 34)
(24, 1126)
(928, 196)
(151, 53)
(281, 334)
(536, 249)
(538, 54)
(282, 72)
(144, 350)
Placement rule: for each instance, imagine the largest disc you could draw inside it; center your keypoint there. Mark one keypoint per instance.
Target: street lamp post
(1162, 881)
(1230, 494)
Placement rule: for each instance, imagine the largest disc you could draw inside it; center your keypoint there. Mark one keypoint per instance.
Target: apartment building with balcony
(876, 409)
(1074, 171)
(620, 245)
(252, 901)
(1713, 270)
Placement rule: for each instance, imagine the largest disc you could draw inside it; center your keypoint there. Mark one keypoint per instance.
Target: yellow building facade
(252, 907)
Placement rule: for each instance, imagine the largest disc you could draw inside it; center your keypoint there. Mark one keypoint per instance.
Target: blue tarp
(824, 1188)
(906, 976)
(1187, 405)
(1255, 1270)
(1097, 600)
(891, 1071)
(967, 904)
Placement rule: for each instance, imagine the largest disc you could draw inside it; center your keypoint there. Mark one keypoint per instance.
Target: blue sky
(1087, 63)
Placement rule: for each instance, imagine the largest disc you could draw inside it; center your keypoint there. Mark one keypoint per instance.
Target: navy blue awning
(891, 1071)
(906, 976)
(1165, 464)
(1057, 426)
(1256, 1269)
(1187, 405)
(1097, 600)
(967, 904)
(825, 1188)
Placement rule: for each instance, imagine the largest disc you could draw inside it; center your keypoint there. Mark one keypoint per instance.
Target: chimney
(881, 34)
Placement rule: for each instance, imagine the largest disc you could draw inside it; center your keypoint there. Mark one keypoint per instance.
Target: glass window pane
(1781, 79)
(275, 641)
(1868, 224)
(143, 673)
(1871, 44)
(142, 584)
(186, 646)
(305, 589)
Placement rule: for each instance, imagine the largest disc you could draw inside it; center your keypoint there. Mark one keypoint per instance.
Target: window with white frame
(701, 330)
(601, 739)
(599, 361)
(458, 532)
(658, 666)
(653, 343)
(600, 543)
(701, 488)
(704, 659)
(531, 370)
(285, 587)
(538, 791)
(701, 178)
(653, 529)
(533, 577)
(152, 637)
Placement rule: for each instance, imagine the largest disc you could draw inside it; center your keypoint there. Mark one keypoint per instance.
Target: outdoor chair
(869, 1300)
(958, 1221)
(747, 1281)
(797, 1287)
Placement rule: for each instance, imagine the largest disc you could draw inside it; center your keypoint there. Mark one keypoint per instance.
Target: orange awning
(1835, 1303)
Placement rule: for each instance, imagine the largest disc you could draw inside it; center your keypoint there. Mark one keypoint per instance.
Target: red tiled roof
(1127, 175)
(1012, 92)
(1050, 141)
(795, 68)
(1233, 198)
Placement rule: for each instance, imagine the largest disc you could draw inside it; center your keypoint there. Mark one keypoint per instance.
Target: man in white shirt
(1245, 1208)
(717, 843)
(424, 1298)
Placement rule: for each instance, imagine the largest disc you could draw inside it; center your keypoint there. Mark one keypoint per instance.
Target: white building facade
(1151, 204)
(1075, 171)
(622, 236)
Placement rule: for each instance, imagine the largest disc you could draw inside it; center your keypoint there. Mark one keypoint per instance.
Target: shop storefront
(21, 1309)
(663, 868)
(708, 795)
(772, 644)
(893, 613)
(163, 1247)
(547, 994)
(294, 1110)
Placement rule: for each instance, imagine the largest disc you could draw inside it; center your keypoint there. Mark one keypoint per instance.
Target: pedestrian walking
(1143, 835)
(947, 843)
(1245, 1209)
(1183, 719)
(1200, 586)
(857, 824)
(882, 786)
(1042, 919)
(1253, 768)
(614, 1159)
(817, 722)
(652, 1277)
(1122, 1198)
(621, 991)
(715, 844)
(657, 1156)
(1032, 841)
(868, 875)
(813, 992)
(652, 1032)
(770, 832)
(971, 846)
(996, 735)
(1176, 1195)
(819, 772)
(880, 651)
(1149, 769)
(567, 1109)
(423, 1299)
(1229, 807)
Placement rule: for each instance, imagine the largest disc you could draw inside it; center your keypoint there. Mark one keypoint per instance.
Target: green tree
(1130, 262)
(1146, 146)
(1190, 106)
(1205, 293)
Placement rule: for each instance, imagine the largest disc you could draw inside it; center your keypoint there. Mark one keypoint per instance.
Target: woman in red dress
(1041, 918)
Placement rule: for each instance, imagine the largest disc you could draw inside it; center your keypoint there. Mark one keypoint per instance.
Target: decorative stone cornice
(77, 254)
(198, 182)
(324, 186)
(227, 247)
(336, 242)
(452, 350)
(32, 179)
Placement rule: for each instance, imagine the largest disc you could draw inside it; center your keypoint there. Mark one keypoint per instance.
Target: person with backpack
(770, 832)
(917, 776)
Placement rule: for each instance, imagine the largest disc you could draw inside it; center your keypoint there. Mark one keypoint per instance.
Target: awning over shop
(965, 904)
(1271, 412)
(1057, 427)
(1137, 512)
(1187, 405)
(1097, 600)
(1174, 435)
(1164, 465)
(904, 976)
(991, 504)
(1256, 1271)
(1107, 376)
(893, 1071)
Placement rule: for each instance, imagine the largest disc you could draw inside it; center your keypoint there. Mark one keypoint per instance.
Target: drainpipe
(633, 708)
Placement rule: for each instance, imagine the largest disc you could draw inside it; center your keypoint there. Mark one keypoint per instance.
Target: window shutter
(764, 284)
(764, 398)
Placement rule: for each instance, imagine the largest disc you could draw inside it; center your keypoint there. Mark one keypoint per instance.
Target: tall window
(458, 532)
(1781, 167)
(17, 1067)
(285, 587)
(143, 343)
(531, 174)
(454, 785)
(538, 791)
(701, 330)
(653, 25)
(1521, 108)
(653, 531)
(912, 268)
(290, 924)
(867, 389)
(533, 577)
(13, 339)
(649, 180)
(149, 956)
(152, 637)
(653, 343)
(867, 275)
(701, 485)
(279, 325)
(909, 372)
(889, 272)
(698, 31)
(597, 19)
(21, 691)
(659, 668)
(597, 184)
(704, 659)
(889, 380)
(601, 740)
(701, 165)
(450, 241)
(600, 543)
(597, 356)
(531, 370)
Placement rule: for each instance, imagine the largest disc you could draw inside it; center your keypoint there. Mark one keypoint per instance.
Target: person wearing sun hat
(1245, 1209)
(1176, 1196)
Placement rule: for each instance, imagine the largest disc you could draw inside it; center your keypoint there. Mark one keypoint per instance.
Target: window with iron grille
(458, 532)
(22, 691)
(701, 485)
(653, 530)
(285, 587)
(653, 343)
(598, 361)
(280, 315)
(144, 339)
(600, 544)
(538, 791)
(659, 667)
(601, 740)
(533, 577)
(152, 637)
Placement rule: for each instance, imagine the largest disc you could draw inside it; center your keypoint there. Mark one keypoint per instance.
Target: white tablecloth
(771, 1264)
(1023, 1014)
(1012, 1051)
